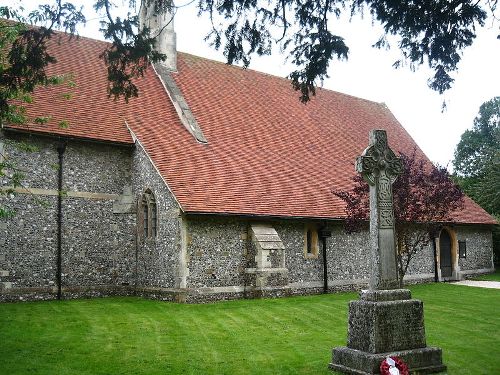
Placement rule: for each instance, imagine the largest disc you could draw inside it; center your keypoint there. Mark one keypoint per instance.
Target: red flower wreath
(394, 363)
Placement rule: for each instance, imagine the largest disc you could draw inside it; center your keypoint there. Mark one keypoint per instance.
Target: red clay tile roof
(88, 112)
(267, 154)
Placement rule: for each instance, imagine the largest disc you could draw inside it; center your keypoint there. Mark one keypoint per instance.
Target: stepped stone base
(420, 361)
(383, 323)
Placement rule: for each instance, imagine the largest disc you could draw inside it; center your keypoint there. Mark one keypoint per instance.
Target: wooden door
(445, 254)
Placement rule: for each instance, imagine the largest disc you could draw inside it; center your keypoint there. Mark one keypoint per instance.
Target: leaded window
(462, 249)
(149, 215)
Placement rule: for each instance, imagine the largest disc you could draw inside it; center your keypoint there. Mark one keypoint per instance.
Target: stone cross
(380, 167)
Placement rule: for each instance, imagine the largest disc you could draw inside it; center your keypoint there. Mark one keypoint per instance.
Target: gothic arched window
(149, 215)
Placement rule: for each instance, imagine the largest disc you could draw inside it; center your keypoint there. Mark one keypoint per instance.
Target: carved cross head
(377, 158)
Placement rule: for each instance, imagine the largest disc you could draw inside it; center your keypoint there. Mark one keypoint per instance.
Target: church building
(215, 183)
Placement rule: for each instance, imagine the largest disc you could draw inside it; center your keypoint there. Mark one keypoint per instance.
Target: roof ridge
(56, 31)
(232, 66)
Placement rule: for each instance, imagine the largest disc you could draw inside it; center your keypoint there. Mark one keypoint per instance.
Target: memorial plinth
(385, 321)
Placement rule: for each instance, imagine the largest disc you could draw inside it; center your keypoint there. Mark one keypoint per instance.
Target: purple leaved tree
(424, 199)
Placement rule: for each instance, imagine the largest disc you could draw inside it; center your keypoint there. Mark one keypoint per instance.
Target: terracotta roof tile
(267, 154)
(88, 112)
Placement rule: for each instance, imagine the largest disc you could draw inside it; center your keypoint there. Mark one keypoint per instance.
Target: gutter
(14, 130)
(261, 216)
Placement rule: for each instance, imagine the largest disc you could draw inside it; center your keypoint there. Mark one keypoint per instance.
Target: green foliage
(5, 213)
(479, 146)
(15, 114)
(27, 98)
(24, 56)
(276, 336)
(495, 276)
(64, 124)
(25, 146)
(131, 51)
(67, 95)
(11, 175)
(432, 32)
(7, 173)
(496, 241)
(3, 167)
(16, 178)
(42, 120)
(477, 163)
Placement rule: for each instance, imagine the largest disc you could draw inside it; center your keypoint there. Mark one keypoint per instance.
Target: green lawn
(490, 277)
(281, 336)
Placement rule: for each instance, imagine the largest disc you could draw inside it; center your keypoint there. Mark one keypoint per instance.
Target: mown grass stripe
(283, 336)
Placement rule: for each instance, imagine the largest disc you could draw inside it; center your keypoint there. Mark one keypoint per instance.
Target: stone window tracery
(149, 215)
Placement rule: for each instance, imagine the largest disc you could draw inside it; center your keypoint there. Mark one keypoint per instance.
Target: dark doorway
(445, 253)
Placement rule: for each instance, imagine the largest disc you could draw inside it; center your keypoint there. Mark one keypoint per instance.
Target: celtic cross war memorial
(385, 321)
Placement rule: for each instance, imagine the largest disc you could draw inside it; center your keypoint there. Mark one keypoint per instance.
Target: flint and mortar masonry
(194, 258)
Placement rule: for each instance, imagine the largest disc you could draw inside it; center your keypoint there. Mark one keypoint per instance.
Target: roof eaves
(262, 216)
(15, 129)
(315, 218)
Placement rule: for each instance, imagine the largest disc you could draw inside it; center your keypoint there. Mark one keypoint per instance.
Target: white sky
(368, 74)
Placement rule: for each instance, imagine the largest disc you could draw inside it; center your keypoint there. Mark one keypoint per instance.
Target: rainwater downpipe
(60, 151)
(324, 234)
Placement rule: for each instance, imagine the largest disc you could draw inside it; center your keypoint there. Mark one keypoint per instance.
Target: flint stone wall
(421, 267)
(220, 249)
(217, 251)
(98, 246)
(347, 256)
(39, 167)
(158, 258)
(28, 243)
(479, 245)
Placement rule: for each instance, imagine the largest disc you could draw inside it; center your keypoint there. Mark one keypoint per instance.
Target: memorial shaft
(379, 166)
